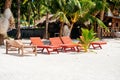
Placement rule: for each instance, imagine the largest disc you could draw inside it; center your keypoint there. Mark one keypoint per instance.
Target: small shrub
(87, 37)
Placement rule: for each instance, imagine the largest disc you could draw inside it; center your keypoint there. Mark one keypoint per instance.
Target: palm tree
(18, 36)
(27, 12)
(36, 9)
(77, 10)
(99, 9)
(58, 8)
(70, 11)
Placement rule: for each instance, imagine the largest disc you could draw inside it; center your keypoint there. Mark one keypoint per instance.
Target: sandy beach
(100, 64)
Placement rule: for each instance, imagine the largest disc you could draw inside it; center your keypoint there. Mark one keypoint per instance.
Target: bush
(87, 37)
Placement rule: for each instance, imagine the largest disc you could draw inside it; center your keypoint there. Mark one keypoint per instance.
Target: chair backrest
(55, 41)
(36, 41)
(66, 40)
(14, 43)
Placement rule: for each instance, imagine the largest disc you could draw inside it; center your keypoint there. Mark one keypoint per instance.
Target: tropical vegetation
(87, 37)
(88, 12)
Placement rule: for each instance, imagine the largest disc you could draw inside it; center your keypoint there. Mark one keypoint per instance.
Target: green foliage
(87, 37)
(62, 17)
(115, 5)
(102, 25)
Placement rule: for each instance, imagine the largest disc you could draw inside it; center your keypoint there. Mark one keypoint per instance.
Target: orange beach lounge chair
(97, 44)
(38, 42)
(56, 41)
(68, 43)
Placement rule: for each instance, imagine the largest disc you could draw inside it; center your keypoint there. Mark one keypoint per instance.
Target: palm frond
(102, 25)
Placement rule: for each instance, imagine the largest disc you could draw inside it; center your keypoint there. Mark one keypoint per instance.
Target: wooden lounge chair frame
(17, 44)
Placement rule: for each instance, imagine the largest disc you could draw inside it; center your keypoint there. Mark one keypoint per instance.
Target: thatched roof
(43, 19)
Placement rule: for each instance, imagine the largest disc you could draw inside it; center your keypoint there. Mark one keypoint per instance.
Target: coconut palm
(78, 9)
(71, 11)
(18, 36)
(58, 7)
(61, 9)
(91, 19)
(100, 7)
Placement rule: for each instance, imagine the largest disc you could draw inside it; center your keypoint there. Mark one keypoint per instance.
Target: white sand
(105, 65)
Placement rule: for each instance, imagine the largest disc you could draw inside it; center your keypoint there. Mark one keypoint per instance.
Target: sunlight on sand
(99, 64)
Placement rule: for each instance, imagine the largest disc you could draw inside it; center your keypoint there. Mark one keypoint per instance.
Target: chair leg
(77, 49)
(6, 49)
(35, 53)
(48, 51)
(42, 50)
(18, 50)
(56, 50)
(100, 46)
(35, 50)
(74, 49)
(64, 49)
(97, 46)
(93, 46)
(52, 51)
(22, 52)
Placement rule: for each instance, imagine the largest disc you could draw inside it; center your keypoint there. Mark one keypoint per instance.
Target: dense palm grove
(70, 12)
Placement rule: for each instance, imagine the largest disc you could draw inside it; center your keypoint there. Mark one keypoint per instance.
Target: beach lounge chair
(56, 41)
(68, 43)
(97, 44)
(17, 44)
(37, 41)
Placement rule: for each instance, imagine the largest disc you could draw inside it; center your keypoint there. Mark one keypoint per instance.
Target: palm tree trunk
(18, 24)
(99, 28)
(67, 31)
(102, 15)
(39, 12)
(46, 29)
(96, 13)
(29, 13)
(61, 29)
(71, 27)
(101, 18)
